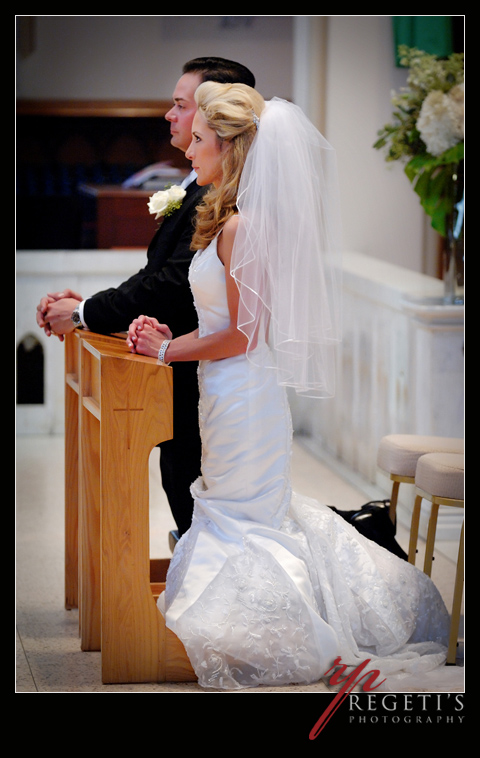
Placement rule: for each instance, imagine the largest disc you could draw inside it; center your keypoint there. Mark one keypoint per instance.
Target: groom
(160, 289)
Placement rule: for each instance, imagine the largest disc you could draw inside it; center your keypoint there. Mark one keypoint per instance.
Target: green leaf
(432, 180)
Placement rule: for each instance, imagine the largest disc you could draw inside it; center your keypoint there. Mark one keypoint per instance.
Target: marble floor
(48, 657)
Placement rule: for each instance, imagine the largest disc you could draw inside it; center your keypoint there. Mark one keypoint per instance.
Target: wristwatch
(77, 321)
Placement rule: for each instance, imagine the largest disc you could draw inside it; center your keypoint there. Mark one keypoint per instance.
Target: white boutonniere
(167, 201)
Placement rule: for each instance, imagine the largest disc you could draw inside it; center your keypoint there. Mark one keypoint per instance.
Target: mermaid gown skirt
(267, 586)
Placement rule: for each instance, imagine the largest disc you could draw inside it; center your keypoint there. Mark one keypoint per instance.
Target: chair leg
(392, 511)
(457, 603)
(430, 544)
(412, 547)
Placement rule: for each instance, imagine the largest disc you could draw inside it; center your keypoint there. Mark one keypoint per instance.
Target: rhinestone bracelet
(162, 351)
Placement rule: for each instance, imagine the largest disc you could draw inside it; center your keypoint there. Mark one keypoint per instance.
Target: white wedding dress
(268, 587)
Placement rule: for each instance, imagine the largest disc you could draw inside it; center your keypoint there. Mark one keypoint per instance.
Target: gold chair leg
(432, 528)
(392, 511)
(412, 547)
(457, 603)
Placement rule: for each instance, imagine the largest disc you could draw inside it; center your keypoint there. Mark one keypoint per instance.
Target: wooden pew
(118, 407)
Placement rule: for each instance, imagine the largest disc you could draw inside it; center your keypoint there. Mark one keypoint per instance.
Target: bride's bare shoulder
(227, 238)
(230, 228)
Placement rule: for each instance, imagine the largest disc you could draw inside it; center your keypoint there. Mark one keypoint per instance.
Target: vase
(453, 248)
(453, 271)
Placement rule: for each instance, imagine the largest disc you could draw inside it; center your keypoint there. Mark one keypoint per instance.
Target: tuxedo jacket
(161, 288)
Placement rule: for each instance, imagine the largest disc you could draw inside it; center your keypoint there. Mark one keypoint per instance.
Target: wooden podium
(118, 407)
(122, 217)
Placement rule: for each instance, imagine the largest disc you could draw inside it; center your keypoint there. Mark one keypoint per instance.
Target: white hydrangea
(441, 119)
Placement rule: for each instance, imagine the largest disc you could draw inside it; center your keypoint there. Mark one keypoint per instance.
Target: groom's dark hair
(221, 70)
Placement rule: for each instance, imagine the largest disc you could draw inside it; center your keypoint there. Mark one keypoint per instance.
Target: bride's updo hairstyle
(232, 111)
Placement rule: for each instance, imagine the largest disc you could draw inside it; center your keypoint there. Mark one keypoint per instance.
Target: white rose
(164, 202)
(176, 193)
(158, 202)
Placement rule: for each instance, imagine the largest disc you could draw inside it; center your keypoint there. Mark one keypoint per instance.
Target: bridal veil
(286, 258)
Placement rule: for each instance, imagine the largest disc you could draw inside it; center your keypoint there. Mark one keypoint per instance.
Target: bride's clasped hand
(146, 336)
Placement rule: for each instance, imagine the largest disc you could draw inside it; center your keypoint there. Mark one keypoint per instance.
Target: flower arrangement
(428, 132)
(167, 201)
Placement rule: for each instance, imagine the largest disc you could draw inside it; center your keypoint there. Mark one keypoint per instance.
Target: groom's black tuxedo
(161, 289)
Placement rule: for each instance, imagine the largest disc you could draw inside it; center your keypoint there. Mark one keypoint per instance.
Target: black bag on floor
(373, 521)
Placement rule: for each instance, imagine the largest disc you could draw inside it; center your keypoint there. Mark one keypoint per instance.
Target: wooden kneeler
(118, 408)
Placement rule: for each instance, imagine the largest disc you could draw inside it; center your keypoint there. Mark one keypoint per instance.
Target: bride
(269, 587)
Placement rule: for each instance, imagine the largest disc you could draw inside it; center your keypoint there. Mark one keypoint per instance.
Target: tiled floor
(49, 658)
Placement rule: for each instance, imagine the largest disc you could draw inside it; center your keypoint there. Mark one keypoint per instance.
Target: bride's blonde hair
(232, 111)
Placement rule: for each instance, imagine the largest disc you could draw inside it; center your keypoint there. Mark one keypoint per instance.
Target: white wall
(141, 57)
(382, 216)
